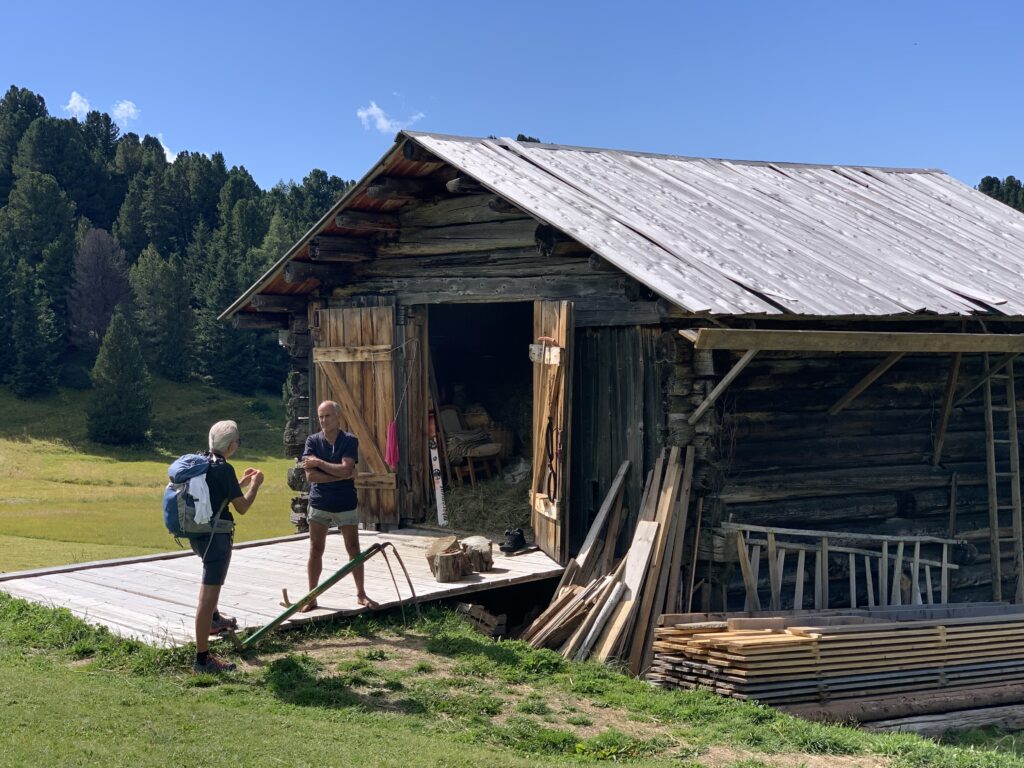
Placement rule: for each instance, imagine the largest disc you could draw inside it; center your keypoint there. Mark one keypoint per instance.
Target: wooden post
(883, 576)
(852, 560)
(928, 585)
(897, 577)
(722, 386)
(798, 590)
(868, 581)
(748, 578)
(947, 408)
(915, 573)
(824, 572)
(945, 574)
(773, 573)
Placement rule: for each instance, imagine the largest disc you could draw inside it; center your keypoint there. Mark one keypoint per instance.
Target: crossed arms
(320, 471)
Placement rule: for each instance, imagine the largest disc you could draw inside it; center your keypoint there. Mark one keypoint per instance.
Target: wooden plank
(722, 386)
(854, 341)
(614, 495)
(361, 354)
(865, 382)
(798, 591)
(869, 581)
(824, 572)
(947, 409)
(852, 567)
(675, 574)
(896, 598)
(915, 575)
(774, 577)
(883, 576)
(748, 576)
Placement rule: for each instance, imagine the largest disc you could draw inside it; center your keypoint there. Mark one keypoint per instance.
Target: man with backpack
(215, 548)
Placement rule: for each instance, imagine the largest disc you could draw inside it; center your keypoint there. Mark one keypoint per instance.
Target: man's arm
(244, 502)
(343, 471)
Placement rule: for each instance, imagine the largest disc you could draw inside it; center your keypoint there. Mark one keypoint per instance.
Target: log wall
(772, 455)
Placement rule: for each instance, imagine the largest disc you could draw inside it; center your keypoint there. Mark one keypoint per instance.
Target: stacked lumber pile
(955, 658)
(604, 609)
(482, 620)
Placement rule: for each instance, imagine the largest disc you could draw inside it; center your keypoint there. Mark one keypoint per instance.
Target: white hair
(223, 434)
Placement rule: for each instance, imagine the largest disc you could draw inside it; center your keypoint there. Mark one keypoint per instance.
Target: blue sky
(904, 83)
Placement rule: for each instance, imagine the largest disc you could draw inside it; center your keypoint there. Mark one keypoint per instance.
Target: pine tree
(18, 108)
(34, 336)
(99, 285)
(163, 313)
(129, 229)
(120, 407)
(38, 227)
(223, 354)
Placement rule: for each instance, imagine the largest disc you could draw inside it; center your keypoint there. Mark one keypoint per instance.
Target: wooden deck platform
(153, 598)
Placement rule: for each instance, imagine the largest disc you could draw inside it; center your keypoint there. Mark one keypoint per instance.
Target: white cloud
(124, 111)
(167, 153)
(77, 106)
(379, 119)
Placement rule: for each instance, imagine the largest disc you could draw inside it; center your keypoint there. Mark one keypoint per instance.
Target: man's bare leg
(315, 564)
(351, 535)
(208, 596)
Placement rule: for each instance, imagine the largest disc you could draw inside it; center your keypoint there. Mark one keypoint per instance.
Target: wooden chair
(477, 457)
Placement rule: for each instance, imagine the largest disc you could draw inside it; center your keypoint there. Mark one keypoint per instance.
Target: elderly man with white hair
(215, 549)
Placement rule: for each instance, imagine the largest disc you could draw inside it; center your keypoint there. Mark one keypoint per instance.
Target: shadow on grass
(296, 680)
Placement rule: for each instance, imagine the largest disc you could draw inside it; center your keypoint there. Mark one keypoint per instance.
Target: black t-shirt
(223, 484)
(340, 495)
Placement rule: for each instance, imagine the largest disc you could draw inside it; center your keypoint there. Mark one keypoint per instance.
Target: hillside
(65, 499)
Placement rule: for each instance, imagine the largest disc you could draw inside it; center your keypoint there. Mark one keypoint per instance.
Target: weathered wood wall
(618, 414)
(772, 455)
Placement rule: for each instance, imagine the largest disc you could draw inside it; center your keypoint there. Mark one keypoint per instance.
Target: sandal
(223, 623)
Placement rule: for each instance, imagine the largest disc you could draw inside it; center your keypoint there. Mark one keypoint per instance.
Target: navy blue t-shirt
(339, 496)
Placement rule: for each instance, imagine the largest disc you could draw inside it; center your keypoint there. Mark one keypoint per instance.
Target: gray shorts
(330, 519)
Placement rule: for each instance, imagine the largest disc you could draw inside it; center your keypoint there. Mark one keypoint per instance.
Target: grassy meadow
(64, 499)
(373, 691)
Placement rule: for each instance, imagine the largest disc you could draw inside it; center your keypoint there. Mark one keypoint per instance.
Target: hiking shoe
(212, 666)
(514, 540)
(223, 624)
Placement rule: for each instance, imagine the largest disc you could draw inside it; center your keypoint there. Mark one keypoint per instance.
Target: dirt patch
(719, 757)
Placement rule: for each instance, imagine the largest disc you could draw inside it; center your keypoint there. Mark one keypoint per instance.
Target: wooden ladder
(1003, 467)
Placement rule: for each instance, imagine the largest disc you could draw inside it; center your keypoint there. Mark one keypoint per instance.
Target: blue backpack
(180, 507)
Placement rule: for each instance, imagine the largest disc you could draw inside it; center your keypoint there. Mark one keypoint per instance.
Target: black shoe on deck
(514, 540)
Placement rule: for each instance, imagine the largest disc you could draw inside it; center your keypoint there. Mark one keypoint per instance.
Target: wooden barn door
(352, 354)
(551, 354)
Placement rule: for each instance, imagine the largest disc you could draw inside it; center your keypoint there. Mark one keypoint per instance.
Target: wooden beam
(259, 320)
(340, 248)
(463, 185)
(369, 220)
(372, 353)
(414, 153)
(453, 290)
(853, 341)
(722, 386)
(551, 241)
(988, 374)
(301, 271)
(864, 383)
(947, 409)
(396, 188)
(501, 205)
(264, 302)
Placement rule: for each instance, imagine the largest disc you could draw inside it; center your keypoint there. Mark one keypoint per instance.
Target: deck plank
(153, 598)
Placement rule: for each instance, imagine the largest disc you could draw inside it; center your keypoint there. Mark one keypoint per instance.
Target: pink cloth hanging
(391, 450)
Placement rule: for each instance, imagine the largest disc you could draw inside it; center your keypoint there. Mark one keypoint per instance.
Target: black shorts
(217, 559)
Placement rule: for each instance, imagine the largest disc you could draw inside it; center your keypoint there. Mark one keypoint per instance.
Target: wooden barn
(835, 343)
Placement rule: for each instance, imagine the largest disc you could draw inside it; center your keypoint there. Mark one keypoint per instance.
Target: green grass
(65, 499)
(375, 692)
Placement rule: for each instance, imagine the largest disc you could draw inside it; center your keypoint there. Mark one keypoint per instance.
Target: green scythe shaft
(319, 590)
